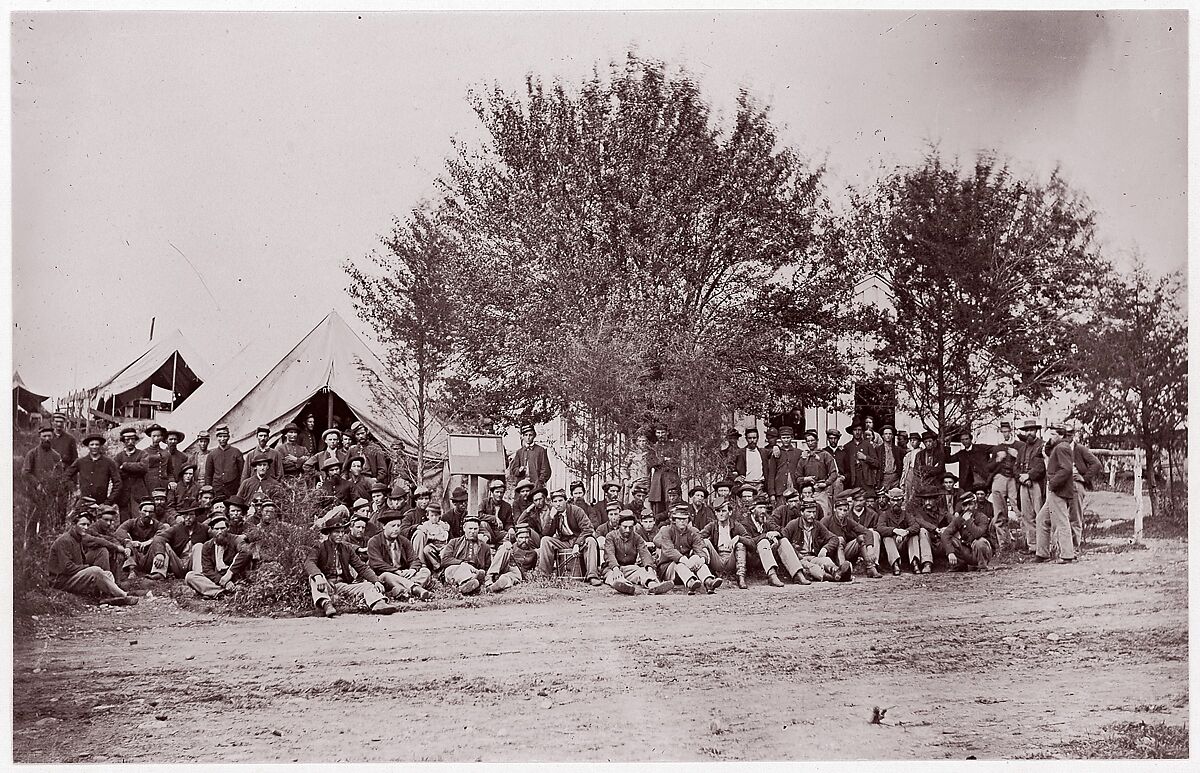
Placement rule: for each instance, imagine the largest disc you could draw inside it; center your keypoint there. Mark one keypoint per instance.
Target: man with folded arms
(629, 561)
(292, 453)
(138, 534)
(681, 553)
(224, 465)
(177, 545)
(391, 556)
(69, 570)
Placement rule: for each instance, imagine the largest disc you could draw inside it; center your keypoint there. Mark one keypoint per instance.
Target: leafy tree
(408, 301)
(1132, 368)
(627, 260)
(990, 275)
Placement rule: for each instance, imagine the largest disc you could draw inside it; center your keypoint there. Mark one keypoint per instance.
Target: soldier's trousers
(978, 553)
(200, 583)
(638, 575)
(589, 549)
(729, 561)
(362, 591)
(868, 551)
(457, 574)
(1076, 511)
(166, 562)
(1031, 503)
(918, 547)
(1003, 495)
(148, 558)
(405, 580)
(92, 580)
(687, 569)
(818, 568)
(891, 551)
(1054, 526)
(103, 557)
(786, 553)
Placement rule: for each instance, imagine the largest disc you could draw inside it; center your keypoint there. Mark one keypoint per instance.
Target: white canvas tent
(170, 363)
(330, 366)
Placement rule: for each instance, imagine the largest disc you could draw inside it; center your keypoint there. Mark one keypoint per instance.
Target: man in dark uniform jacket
(969, 540)
(174, 460)
(97, 474)
(223, 467)
(530, 462)
(564, 527)
(495, 506)
(70, 571)
(332, 565)
(392, 556)
(292, 453)
(43, 463)
(131, 461)
(376, 463)
(629, 561)
(63, 441)
(464, 560)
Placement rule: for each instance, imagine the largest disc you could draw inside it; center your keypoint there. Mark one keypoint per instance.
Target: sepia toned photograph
(590, 386)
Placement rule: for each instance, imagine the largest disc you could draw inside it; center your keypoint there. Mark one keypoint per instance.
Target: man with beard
(392, 556)
(515, 559)
(260, 484)
(187, 489)
(1054, 519)
(855, 541)
(69, 570)
(968, 540)
(522, 498)
(174, 460)
(223, 562)
(747, 498)
(458, 511)
(465, 560)
(929, 464)
(131, 461)
(637, 501)
(223, 468)
(629, 561)
(329, 565)
(97, 475)
(63, 441)
(925, 521)
(681, 554)
(578, 497)
(702, 514)
(752, 464)
(893, 529)
(566, 527)
(263, 451)
(725, 543)
(138, 534)
(333, 490)
(612, 493)
(810, 544)
(892, 456)
(42, 464)
(1031, 476)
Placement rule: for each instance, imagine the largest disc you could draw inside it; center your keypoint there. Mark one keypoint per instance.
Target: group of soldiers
(800, 514)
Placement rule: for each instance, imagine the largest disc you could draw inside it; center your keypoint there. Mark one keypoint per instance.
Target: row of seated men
(395, 548)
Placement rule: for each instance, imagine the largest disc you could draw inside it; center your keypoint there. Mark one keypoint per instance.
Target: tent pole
(328, 408)
(174, 369)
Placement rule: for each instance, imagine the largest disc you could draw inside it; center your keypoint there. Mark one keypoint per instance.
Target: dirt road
(1003, 664)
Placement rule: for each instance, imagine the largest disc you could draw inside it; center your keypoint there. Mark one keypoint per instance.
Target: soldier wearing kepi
(564, 527)
(131, 461)
(629, 560)
(764, 539)
(138, 534)
(97, 474)
(725, 541)
(1031, 481)
(681, 554)
(515, 558)
(223, 468)
(391, 556)
(815, 549)
(968, 540)
(63, 441)
(894, 532)
(465, 559)
(530, 462)
(328, 568)
(855, 541)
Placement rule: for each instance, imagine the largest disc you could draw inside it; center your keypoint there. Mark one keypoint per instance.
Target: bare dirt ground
(1016, 662)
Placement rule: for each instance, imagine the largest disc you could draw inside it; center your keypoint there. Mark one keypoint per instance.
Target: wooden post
(1112, 473)
(329, 411)
(1137, 499)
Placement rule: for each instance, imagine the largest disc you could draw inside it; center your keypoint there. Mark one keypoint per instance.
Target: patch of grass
(1126, 740)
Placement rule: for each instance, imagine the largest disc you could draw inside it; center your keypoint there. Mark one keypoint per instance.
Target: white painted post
(1112, 473)
(1137, 498)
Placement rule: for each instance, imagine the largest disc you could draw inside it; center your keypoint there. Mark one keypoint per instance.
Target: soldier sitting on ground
(392, 556)
(629, 561)
(69, 570)
(814, 544)
(330, 564)
(224, 561)
(724, 541)
(681, 554)
(138, 534)
(464, 560)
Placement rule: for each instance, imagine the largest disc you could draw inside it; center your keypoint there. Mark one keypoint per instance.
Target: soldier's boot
(693, 586)
(873, 572)
(328, 609)
(801, 578)
(845, 572)
(468, 587)
(383, 608)
(662, 586)
(773, 578)
(741, 580)
(622, 585)
(158, 569)
(711, 584)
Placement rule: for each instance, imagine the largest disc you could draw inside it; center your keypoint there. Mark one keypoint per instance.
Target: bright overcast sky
(269, 148)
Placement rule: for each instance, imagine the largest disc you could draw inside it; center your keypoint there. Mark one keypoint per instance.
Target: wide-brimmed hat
(153, 427)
